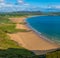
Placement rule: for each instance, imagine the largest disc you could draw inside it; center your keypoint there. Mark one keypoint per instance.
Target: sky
(30, 5)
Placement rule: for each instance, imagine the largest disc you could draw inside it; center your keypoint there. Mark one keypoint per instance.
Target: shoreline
(38, 33)
(31, 40)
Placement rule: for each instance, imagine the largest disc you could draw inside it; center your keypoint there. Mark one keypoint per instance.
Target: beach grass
(10, 28)
(4, 20)
(5, 42)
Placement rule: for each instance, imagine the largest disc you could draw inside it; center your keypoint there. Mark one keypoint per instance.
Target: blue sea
(47, 26)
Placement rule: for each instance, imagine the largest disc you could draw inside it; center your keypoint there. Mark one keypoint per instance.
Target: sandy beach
(30, 40)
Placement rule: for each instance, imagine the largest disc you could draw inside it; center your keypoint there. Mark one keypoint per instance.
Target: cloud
(6, 7)
(57, 6)
(26, 4)
(50, 6)
(1, 1)
(20, 1)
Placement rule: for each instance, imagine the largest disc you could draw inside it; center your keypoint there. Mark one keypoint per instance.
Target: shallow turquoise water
(48, 26)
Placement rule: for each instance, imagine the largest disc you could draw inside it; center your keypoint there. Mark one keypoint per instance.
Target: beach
(31, 40)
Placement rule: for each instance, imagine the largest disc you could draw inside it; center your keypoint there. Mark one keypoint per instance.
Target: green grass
(4, 20)
(15, 53)
(8, 28)
(11, 28)
(55, 54)
(5, 41)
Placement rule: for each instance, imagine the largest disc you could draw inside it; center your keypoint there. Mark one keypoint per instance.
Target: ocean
(47, 26)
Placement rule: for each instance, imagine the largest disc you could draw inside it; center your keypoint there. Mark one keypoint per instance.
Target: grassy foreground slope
(54, 54)
(9, 48)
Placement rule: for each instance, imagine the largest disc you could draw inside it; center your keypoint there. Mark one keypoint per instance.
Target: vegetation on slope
(11, 28)
(4, 20)
(9, 48)
(54, 54)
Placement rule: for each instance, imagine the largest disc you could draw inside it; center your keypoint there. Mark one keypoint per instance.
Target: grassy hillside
(11, 28)
(9, 48)
(4, 20)
(55, 54)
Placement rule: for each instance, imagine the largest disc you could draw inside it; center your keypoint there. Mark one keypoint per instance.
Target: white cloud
(1, 1)
(26, 4)
(50, 6)
(5, 5)
(20, 1)
(57, 6)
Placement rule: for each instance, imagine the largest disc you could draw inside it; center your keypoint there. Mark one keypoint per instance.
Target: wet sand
(30, 40)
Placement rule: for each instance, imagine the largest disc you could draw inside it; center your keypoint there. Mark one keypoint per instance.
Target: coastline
(39, 33)
(31, 40)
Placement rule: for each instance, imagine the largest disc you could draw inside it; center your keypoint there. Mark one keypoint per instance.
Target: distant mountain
(12, 9)
(51, 10)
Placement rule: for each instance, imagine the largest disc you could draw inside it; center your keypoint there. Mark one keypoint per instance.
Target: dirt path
(30, 40)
